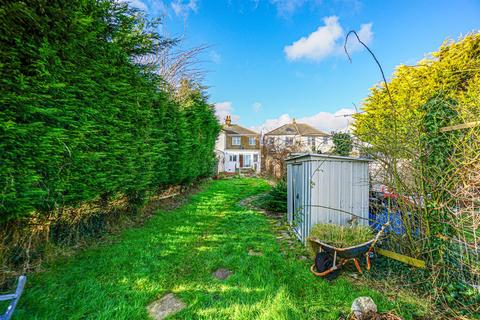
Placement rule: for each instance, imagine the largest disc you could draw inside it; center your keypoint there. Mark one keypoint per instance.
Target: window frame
(289, 141)
(234, 138)
(250, 141)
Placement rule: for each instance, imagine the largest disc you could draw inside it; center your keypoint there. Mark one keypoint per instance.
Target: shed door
(297, 201)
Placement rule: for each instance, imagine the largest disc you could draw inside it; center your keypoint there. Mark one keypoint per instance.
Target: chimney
(228, 120)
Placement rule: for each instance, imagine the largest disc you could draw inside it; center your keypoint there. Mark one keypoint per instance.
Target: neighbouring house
(288, 139)
(237, 148)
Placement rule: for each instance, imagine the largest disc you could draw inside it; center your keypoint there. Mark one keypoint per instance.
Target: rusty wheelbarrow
(330, 258)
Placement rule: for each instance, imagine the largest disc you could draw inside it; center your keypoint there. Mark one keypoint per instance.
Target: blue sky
(273, 60)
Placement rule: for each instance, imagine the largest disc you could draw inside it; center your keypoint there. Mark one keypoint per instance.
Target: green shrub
(343, 144)
(340, 236)
(79, 119)
(275, 200)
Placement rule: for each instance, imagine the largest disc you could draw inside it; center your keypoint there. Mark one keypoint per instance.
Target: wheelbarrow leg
(357, 265)
(367, 255)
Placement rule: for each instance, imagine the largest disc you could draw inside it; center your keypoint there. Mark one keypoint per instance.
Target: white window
(255, 158)
(247, 161)
(288, 141)
(233, 158)
(271, 141)
(325, 140)
(311, 141)
(252, 141)
(235, 141)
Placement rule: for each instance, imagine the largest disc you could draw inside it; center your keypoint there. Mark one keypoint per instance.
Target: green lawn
(177, 251)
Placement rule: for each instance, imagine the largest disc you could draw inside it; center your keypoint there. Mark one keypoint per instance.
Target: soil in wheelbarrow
(339, 236)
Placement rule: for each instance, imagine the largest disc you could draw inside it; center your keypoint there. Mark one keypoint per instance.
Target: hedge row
(79, 120)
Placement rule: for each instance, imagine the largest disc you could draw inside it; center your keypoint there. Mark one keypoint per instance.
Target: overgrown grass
(340, 236)
(177, 251)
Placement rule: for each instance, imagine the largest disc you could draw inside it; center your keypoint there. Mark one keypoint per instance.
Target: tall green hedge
(79, 119)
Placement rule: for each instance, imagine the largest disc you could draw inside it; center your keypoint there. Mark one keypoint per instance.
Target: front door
(241, 161)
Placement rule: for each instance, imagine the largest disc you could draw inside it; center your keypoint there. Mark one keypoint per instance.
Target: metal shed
(321, 186)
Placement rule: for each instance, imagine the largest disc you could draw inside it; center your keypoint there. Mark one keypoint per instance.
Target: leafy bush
(275, 200)
(340, 236)
(343, 144)
(79, 120)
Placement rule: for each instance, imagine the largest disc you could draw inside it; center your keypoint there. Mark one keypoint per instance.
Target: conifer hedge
(79, 120)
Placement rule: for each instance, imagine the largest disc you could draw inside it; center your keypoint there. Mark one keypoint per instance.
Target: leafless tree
(174, 63)
(275, 151)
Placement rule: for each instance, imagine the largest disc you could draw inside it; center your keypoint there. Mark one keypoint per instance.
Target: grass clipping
(339, 236)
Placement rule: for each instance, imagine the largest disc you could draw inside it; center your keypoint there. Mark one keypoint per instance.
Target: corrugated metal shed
(321, 186)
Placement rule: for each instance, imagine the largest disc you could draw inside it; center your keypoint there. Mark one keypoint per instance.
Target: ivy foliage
(343, 144)
(79, 119)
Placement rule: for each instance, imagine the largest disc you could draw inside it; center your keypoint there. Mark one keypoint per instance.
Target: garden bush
(275, 200)
(80, 120)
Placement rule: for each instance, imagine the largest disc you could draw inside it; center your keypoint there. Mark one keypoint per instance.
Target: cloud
(287, 7)
(326, 41)
(215, 57)
(154, 7)
(138, 4)
(325, 121)
(257, 106)
(182, 8)
(223, 109)
(365, 34)
(159, 7)
(319, 44)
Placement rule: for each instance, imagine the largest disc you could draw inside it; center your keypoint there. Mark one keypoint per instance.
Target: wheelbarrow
(330, 258)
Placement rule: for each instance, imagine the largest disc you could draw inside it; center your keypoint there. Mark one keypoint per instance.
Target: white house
(300, 137)
(238, 148)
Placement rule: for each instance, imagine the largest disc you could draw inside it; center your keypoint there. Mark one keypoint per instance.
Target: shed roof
(236, 129)
(294, 128)
(315, 156)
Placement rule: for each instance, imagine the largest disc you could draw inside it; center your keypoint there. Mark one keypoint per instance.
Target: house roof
(294, 128)
(314, 156)
(236, 129)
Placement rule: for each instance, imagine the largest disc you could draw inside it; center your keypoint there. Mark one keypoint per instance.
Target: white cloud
(318, 44)
(224, 109)
(159, 7)
(365, 34)
(215, 57)
(327, 40)
(138, 4)
(257, 106)
(155, 7)
(325, 121)
(287, 7)
(183, 8)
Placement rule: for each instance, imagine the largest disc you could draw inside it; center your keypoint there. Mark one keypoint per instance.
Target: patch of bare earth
(222, 273)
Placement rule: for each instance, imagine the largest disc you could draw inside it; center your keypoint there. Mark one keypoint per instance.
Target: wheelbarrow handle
(379, 234)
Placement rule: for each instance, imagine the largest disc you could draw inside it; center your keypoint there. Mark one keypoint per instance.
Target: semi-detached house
(238, 148)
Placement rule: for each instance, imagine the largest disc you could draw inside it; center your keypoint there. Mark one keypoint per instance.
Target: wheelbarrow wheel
(323, 262)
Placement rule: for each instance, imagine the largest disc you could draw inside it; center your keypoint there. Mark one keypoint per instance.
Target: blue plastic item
(14, 297)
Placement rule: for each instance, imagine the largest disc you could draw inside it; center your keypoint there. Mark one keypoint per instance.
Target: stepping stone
(167, 305)
(222, 274)
(254, 253)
